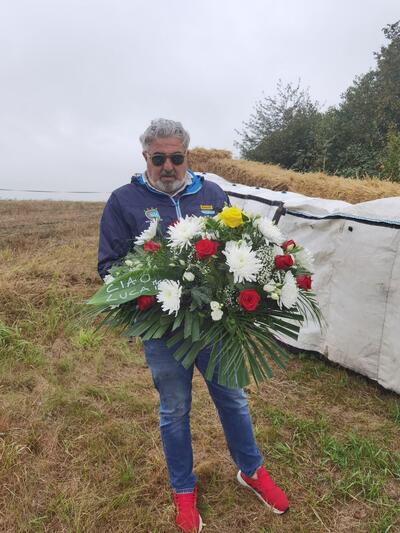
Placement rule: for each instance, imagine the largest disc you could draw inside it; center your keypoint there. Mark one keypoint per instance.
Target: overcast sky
(81, 79)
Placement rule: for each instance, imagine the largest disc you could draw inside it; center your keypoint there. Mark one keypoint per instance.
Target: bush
(391, 156)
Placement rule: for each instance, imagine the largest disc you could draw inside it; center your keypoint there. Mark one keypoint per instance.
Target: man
(167, 191)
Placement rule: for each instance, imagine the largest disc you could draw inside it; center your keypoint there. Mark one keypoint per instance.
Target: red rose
(206, 248)
(249, 299)
(145, 302)
(289, 245)
(304, 282)
(151, 246)
(283, 261)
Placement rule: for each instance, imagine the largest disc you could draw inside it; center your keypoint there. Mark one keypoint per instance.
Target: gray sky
(81, 79)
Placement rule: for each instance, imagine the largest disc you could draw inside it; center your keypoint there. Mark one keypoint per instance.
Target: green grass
(394, 411)
(87, 338)
(386, 522)
(126, 473)
(14, 348)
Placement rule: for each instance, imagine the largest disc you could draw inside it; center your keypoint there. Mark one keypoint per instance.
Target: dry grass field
(79, 443)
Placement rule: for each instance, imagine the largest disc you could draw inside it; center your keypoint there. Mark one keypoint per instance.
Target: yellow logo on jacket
(207, 209)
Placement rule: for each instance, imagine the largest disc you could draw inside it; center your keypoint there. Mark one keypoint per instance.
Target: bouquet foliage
(230, 282)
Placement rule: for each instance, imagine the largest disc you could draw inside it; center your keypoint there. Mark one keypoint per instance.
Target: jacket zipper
(177, 207)
(175, 202)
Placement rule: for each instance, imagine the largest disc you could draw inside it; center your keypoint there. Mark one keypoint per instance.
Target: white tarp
(357, 274)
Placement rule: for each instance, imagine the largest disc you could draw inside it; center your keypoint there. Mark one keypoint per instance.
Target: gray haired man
(166, 191)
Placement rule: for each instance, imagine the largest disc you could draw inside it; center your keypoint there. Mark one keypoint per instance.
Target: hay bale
(274, 177)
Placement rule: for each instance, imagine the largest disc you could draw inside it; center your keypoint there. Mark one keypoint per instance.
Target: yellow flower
(231, 216)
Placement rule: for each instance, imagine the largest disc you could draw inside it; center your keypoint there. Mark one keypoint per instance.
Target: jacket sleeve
(115, 238)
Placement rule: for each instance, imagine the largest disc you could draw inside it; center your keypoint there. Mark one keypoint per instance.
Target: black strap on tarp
(282, 210)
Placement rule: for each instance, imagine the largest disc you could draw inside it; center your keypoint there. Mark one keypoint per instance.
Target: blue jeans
(174, 384)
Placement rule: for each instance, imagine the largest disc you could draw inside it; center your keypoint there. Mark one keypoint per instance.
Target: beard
(169, 186)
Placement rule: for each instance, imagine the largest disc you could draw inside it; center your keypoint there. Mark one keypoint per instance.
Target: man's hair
(162, 127)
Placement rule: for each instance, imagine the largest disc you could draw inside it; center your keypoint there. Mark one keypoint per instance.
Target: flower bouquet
(231, 282)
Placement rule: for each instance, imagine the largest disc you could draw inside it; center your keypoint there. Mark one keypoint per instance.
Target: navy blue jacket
(130, 209)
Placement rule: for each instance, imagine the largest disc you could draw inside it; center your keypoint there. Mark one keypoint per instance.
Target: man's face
(168, 177)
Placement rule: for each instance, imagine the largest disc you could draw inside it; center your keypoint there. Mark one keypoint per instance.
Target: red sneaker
(187, 515)
(266, 490)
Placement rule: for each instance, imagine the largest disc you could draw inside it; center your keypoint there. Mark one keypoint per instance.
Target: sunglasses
(159, 159)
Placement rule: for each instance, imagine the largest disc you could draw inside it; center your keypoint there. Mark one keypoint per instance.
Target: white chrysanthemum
(305, 259)
(269, 230)
(108, 279)
(242, 261)
(290, 291)
(181, 233)
(169, 295)
(148, 233)
(215, 305)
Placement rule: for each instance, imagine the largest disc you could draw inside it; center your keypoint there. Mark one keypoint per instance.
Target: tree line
(359, 137)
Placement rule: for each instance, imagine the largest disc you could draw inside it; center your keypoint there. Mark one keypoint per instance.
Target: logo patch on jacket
(152, 213)
(207, 209)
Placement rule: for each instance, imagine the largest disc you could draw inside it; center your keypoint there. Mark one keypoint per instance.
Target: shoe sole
(271, 507)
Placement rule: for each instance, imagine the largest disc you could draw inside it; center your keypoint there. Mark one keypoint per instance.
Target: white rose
(217, 314)
(188, 276)
(129, 263)
(215, 306)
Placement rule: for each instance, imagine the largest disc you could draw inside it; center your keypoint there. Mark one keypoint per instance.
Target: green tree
(388, 79)
(369, 109)
(358, 137)
(281, 129)
(356, 140)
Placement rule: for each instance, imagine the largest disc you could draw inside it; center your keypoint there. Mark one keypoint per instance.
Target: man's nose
(168, 164)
